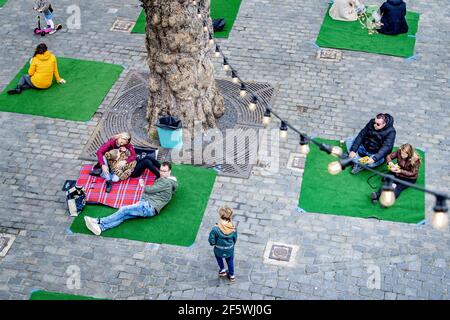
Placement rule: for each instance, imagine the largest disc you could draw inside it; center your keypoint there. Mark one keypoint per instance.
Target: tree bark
(181, 80)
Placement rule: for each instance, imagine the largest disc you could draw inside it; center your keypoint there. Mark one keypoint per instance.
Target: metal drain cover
(128, 113)
(326, 54)
(122, 25)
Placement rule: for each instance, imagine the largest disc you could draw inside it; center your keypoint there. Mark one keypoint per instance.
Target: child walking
(44, 6)
(223, 237)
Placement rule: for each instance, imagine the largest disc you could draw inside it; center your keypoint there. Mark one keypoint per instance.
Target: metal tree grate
(128, 113)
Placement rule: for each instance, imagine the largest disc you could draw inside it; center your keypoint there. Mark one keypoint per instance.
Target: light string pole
(439, 220)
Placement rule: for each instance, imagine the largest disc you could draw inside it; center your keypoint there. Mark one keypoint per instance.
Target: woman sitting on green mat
(393, 21)
(43, 66)
(406, 169)
(346, 10)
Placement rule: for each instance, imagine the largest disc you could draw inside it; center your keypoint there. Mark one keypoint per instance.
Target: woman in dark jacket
(393, 20)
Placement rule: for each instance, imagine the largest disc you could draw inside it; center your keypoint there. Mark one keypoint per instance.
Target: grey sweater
(160, 193)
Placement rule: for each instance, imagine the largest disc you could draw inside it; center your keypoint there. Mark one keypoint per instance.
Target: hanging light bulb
(337, 166)
(336, 151)
(211, 39)
(234, 77)
(252, 105)
(304, 145)
(226, 66)
(205, 26)
(283, 130)
(199, 13)
(266, 118)
(217, 53)
(334, 168)
(194, 2)
(440, 218)
(243, 91)
(387, 197)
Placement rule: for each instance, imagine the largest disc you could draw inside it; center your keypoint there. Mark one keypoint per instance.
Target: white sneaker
(92, 225)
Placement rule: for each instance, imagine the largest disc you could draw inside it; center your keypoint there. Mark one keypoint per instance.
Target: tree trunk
(181, 80)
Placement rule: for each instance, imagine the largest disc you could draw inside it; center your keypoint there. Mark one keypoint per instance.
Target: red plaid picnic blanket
(123, 193)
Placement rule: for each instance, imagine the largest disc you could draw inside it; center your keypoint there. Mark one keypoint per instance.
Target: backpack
(76, 200)
(218, 24)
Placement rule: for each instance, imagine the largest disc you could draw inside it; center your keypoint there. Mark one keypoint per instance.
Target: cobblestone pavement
(271, 42)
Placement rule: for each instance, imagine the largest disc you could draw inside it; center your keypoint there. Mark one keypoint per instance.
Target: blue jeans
(362, 151)
(142, 209)
(230, 264)
(110, 176)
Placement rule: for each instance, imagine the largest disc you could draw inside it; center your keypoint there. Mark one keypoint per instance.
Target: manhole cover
(128, 113)
(122, 25)
(326, 54)
(280, 254)
(6, 241)
(296, 162)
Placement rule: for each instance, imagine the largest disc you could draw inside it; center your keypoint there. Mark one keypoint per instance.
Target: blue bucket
(170, 132)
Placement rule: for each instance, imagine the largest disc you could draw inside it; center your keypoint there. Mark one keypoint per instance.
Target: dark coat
(377, 142)
(393, 17)
(223, 243)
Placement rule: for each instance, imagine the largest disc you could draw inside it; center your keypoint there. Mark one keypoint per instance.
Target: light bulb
(211, 41)
(439, 220)
(334, 168)
(194, 2)
(226, 66)
(304, 148)
(387, 198)
(266, 118)
(243, 91)
(283, 134)
(336, 151)
(217, 54)
(283, 130)
(205, 28)
(234, 77)
(252, 105)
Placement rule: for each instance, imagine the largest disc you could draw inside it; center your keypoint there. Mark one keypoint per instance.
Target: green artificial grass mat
(352, 36)
(349, 195)
(141, 22)
(88, 82)
(179, 221)
(2, 3)
(46, 295)
(227, 9)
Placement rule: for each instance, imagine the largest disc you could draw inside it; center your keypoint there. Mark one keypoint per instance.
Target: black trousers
(149, 163)
(400, 187)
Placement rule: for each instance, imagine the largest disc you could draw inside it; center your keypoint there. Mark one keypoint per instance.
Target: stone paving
(338, 257)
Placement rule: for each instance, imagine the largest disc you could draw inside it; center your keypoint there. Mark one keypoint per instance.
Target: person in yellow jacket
(43, 66)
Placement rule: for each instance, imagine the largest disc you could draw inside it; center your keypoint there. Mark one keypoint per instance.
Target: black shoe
(374, 197)
(108, 186)
(15, 91)
(96, 172)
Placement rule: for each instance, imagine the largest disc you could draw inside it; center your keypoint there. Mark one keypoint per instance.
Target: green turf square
(351, 36)
(227, 9)
(88, 82)
(349, 195)
(179, 221)
(46, 295)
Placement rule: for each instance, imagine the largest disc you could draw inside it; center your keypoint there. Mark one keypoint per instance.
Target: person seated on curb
(375, 141)
(43, 66)
(407, 168)
(393, 21)
(124, 140)
(346, 10)
(154, 199)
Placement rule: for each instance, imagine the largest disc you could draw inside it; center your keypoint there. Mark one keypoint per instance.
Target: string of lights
(440, 219)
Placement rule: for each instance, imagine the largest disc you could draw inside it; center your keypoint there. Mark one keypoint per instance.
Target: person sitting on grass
(154, 199)
(124, 140)
(393, 21)
(43, 67)
(375, 141)
(223, 237)
(407, 168)
(346, 10)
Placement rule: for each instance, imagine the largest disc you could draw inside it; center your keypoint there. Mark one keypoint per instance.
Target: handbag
(76, 200)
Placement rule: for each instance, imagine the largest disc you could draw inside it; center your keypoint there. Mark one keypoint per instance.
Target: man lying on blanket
(154, 198)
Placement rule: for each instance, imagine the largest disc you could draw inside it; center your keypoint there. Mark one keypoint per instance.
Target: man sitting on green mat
(154, 199)
(374, 142)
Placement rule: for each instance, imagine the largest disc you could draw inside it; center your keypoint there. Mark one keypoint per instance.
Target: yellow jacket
(42, 68)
